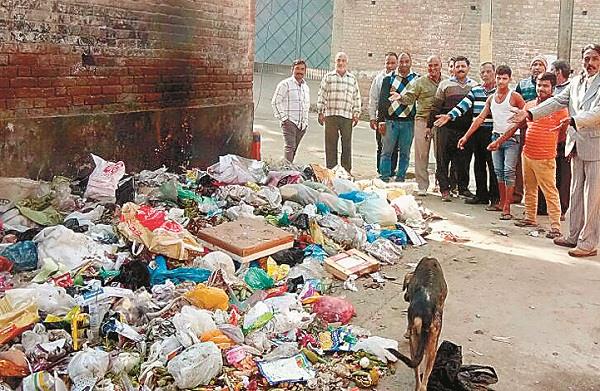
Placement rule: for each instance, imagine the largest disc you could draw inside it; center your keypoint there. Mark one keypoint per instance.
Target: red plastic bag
(333, 309)
(5, 264)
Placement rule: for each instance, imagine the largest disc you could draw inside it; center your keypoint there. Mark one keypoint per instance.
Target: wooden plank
(246, 237)
(350, 262)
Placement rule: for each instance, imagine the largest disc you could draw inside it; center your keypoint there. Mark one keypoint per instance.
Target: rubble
(211, 280)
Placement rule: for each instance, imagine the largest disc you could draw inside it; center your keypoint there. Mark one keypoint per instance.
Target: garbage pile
(213, 280)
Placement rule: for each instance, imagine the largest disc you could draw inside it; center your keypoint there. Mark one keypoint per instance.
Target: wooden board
(246, 239)
(350, 262)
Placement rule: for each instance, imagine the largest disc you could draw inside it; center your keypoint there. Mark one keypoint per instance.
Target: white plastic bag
(70, 248)
(87, 367)
(341, 186)
(338, 205)
(217, 260)
(378, 346)
(49, 298)
(236, 170)
(299, 193)
(88, 217)
(407, 208)
(197, 365)
(376, 210)
(104, 180)
(190, 323)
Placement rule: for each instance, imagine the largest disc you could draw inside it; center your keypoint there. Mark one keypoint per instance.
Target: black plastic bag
(291, 256)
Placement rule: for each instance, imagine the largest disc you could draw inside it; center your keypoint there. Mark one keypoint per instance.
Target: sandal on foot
(506, 216)
(526, 223)
(553, 233)
(493, 208)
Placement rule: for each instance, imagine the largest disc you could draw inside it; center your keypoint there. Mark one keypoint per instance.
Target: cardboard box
(246, 239)
(350, 262)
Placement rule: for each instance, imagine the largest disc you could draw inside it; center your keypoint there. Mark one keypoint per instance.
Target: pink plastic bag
(333, 309)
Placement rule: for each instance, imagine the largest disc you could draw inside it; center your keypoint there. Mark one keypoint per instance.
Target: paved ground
(514, 286)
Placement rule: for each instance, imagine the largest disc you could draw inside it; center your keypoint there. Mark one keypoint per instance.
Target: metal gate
(290, 29)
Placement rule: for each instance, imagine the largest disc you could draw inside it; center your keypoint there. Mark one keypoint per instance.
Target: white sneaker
(421, 193)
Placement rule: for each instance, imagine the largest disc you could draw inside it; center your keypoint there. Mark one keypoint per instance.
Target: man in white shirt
(291, 102)
(391, 62)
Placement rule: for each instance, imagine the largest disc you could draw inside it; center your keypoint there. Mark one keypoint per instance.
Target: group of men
(523, 141)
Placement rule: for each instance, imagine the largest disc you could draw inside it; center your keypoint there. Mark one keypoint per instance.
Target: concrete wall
(148, 82)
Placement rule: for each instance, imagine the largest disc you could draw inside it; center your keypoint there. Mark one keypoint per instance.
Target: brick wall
(104, 59)
(520, 30)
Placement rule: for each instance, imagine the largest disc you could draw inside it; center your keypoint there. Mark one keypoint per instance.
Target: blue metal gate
(290, 29)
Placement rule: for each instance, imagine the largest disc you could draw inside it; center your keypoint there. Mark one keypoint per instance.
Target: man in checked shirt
(338, 106)
(291, 102)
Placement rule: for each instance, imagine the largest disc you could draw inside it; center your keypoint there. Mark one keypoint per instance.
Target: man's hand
(428, 134)
(321, 119)
(441, 120)
(461, 143)
(354, 120)
(373, 124)
(494, 145)
(565, 123)
(381, 128)
(394, 96)
(518, 116)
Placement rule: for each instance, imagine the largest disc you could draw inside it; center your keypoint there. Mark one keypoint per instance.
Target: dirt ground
(519, 287)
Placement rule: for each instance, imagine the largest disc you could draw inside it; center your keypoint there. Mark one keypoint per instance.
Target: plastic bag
(144, 224)
(241, 210)
(407, 208)
(43, 381)
(197, 365)
(217, 260)
(87, 218)
(258, 279)
(22, 255)
(357, 196)
(299, 193)
(310, 268)
(376, 210)
(257, 317)
(236, 170)
(48, 297)
(333, 309)
(13, 190)
(384, 251)
(190, 323)
(104, 180)
(13, 363)
(70, 248)
(87, 367)
(275, 271)
(341, 185)
(218, 338)
(378, 346)
(338, 205)
(161, 274)
(397, 236)
(208, 298)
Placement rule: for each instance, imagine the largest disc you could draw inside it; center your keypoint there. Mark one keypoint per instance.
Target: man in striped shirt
(291, 102)
(338, 105)
(477, 145)
(397, 120)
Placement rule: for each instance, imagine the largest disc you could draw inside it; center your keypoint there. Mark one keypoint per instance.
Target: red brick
(3, 59)
(61, 91)
(19, 103)
(65, 82)
(4, 82)
(48, 71)
(152, 97)
(125, 80)
(23, 82)
(78, 91)
(10, 71)
(78, 100)
(24, 70)
(65, 60)
(100, 100)
(58, 102)
(34, 92)
(39, 103)
(2, 104)
(107, 90)
(152, 79)
(95, 90)
(7, 93)
(130, 97)
(23, 59)
(129, 89)
(45, 81)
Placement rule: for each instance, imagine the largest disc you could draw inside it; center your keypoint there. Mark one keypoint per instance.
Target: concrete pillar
(485, 40)
(565, 29)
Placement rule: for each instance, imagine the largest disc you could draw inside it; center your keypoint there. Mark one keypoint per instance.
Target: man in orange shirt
(538, 160)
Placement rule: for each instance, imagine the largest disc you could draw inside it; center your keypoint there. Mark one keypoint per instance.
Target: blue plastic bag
(161, 274)
(356, 196)
(23, 255)
(395, 235)
(315, 251)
